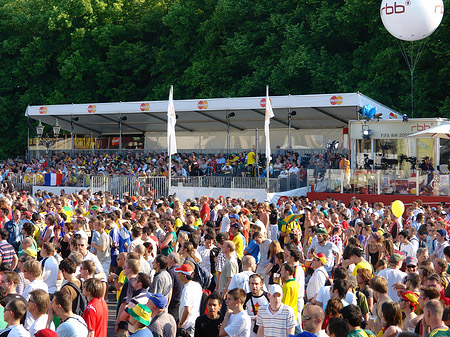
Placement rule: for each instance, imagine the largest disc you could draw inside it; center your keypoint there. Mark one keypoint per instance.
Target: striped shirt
(276, 324)
(7, 252)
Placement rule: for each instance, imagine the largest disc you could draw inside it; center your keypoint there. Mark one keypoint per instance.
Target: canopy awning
(195, 115)
(440, 131)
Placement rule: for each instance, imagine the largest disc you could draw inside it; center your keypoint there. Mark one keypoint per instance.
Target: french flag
(52, 179)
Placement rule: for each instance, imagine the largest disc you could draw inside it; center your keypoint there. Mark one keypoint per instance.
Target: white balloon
(411, 20)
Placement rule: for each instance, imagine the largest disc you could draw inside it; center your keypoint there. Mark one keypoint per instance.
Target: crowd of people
(221, 267)
(76, 169)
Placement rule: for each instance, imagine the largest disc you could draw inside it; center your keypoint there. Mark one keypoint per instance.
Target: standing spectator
(14, 229)
(13, 313)
(406, 247)
(173, 261)
(290, 287)
(162, 282)
(103, 246)
(7, 252)
(441, 238)
(229, 269)
(190, 298)
(9, 282)
(275, 319)
(238, 239)
(96, 313)
(140, 316)
(205, 211)
(329, 249)
(319, 277)
(379, 286)
(393, 274)
(162, 324)
(72, 325)
(312, 319)
(432, 318)
(38, 305)
(50, 268)
(208, 325)
(352, 314)
(236, 321)
(32, 272)
(256, 298)
(241, 280)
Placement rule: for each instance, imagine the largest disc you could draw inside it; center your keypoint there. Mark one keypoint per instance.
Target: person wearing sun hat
(190, 298)
(319, 277)
(324, 246)
(409, 302)
(140, 316)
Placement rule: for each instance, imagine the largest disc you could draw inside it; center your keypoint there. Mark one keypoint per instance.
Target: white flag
(171, 121)
(269, 115)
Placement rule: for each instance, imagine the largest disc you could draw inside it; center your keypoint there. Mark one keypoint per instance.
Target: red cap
(46, 333)
(186, 269)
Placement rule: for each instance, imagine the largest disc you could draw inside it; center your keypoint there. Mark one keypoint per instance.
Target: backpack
(201, 275)
(80, 303)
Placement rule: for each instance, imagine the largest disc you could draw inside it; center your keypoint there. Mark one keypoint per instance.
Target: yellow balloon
(398, 208)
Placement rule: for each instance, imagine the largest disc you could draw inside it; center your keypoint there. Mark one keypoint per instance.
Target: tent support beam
(218, 120)
(274, 118)
(165, 121)
(330, 115)
(124, 124)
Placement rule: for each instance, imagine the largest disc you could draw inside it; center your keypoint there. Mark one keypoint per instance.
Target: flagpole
(267, 154)
(171, 139)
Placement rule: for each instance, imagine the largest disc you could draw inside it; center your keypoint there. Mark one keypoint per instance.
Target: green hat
(141, 313)
(321, 231)
(94, 208)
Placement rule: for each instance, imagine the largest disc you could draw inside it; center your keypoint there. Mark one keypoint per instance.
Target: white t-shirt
(50, 273)
(36, 284)
(205, 255)
(240, 280)
(239, 325)
(408, 249)
(225, 224)
(98, 266)
(264, 259)
(39, 324)
(323, 296)
(316, 282)
(74, 326)
(393, 276)
(17, 331)
(190, 297)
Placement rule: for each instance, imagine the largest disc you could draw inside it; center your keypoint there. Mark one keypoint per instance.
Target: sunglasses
(306, 318)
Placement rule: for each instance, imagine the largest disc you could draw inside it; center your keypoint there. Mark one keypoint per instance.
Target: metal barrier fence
(158, 185)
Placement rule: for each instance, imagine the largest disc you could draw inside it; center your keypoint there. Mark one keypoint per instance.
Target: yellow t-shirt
(239, 243)
(120, 279)
(289, 228)
(362, 265)
(178, 224)
(251, 158)
(290, 294)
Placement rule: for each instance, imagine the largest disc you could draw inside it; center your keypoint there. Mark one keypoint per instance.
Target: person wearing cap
(409, 302)
(275, 319)
(442, 240)
(190, 298)
(329, 249)
(162, 323)
(236, 321)
(139, 318)
(320, 276)
(45, 333)
(393, 274)
(352, 314)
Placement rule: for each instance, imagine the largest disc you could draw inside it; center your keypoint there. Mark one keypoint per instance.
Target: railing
(403, 182)
(227, 182)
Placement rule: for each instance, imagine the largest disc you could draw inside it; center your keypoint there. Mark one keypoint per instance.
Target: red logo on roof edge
(145, 107)
(202, 105)
(336, 100)
(43, 110)
(92, 109)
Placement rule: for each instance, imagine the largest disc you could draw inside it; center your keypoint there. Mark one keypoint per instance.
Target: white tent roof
(313, 112)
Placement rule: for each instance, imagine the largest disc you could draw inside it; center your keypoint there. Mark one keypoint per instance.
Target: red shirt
(205, 211)
(96, 317)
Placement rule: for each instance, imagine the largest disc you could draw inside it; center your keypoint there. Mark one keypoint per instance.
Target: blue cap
(234, 216)
(158, 299)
